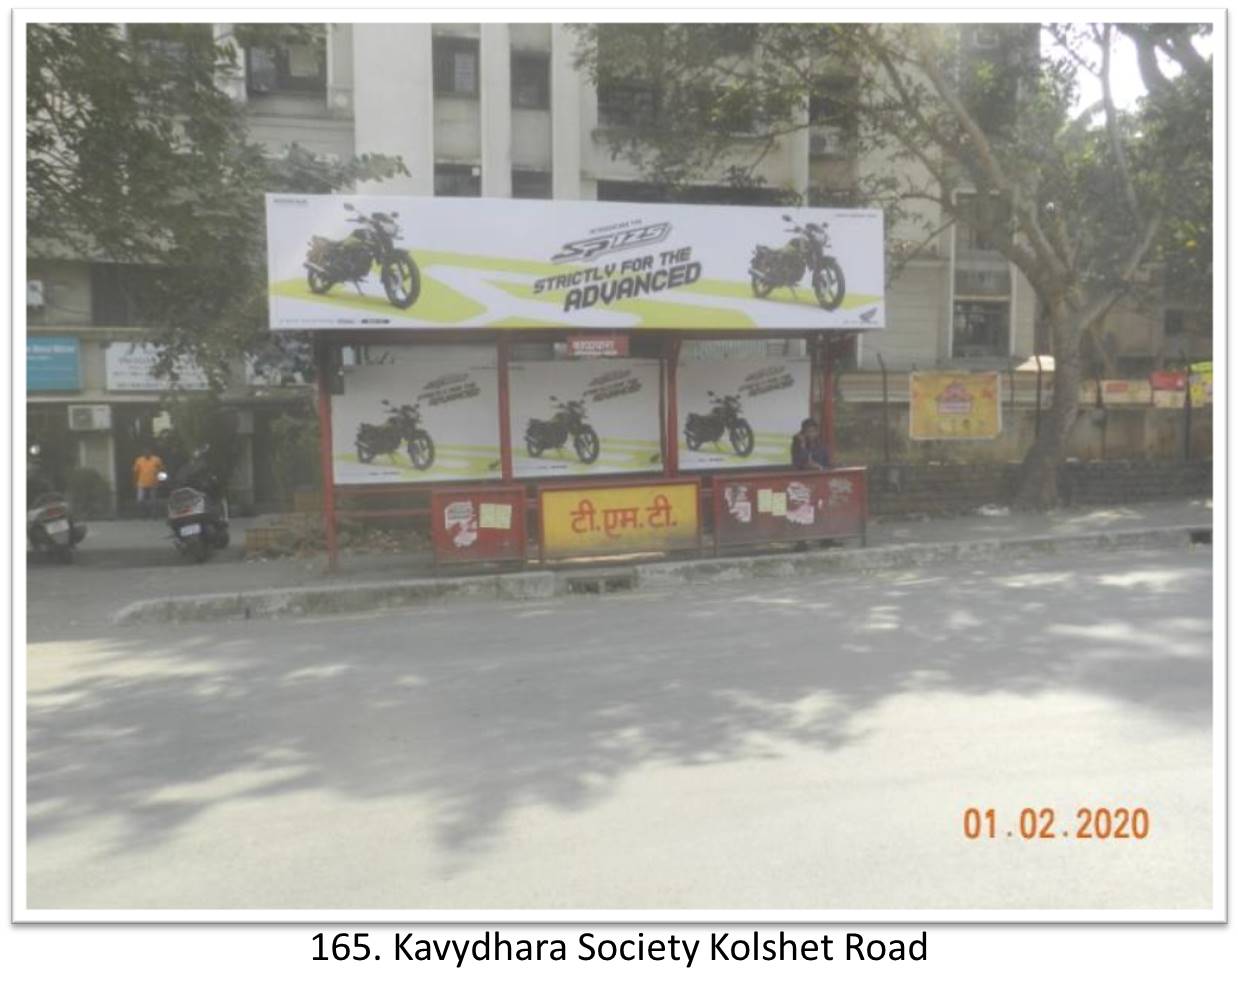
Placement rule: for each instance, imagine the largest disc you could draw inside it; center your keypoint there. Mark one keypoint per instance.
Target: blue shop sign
(52, 364)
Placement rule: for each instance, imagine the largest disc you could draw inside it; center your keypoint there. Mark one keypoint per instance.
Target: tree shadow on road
(475, 709)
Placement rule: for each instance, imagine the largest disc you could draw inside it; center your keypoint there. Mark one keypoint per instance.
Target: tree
(137, 155)
(1085, 206)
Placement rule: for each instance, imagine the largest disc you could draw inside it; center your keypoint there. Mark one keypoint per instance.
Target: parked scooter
(333, 261)
(552, 433)
(403, 425)
(785, 267)
(724, 417)
(50, 528)
(197, 509)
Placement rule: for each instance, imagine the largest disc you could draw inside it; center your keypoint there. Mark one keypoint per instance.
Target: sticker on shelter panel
(577, 417)
(431, 263)
(741, 412)
(955, 405)
(417, 413)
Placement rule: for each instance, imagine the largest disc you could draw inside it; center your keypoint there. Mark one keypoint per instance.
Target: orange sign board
(644, 517)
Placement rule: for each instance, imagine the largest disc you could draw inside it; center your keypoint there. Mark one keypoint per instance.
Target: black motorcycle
(330, 262)
(724, 417)
(403, 425)
(551, 434)
(50, 528)
(785, 267)
(197, 509)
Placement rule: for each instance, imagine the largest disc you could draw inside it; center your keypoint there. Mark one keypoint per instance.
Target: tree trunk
(1038, 476)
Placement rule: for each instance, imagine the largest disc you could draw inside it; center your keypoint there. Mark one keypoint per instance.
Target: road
(753, 745)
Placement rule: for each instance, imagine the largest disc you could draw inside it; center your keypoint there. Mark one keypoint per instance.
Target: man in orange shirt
(146, 479)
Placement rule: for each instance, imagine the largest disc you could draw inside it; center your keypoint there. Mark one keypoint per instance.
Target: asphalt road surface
(752, 745)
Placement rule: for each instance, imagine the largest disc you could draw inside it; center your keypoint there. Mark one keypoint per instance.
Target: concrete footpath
(231, 590)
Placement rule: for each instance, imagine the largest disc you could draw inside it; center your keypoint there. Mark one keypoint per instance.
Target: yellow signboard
(624, 518)
(956, 405)
(1201, 385)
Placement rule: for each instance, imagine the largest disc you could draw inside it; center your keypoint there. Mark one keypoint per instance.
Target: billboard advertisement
(955, 405)
(53, 363)
(130, 367)
(595, 416)
(430, 263)
(412, 414)
(741, 411)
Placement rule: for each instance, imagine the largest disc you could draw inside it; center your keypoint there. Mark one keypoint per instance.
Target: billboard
(52, 363)
(130, 367)
(742, 411)
(595, 416)
(362, 262)
(955, 405)
(417, 414)
(642, 517)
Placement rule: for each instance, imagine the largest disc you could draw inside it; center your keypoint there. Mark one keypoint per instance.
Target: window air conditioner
(90, 418)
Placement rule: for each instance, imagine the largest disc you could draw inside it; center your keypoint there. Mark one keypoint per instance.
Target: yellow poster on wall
(1201, 385)
(955, 405)
(628, 518)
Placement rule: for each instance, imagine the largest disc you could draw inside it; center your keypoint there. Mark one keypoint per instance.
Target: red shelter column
(323, 361)
(505, 409)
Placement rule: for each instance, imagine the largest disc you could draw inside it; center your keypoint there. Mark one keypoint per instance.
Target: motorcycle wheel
(222, 539)
(829, 285)
(691, 439)
(318, 284)
(533, 449)
(742, 440)
(760, 288)
(587, 445)
(421, 450)
(196, 549)
(63, 554)
(364, 453)
(401, 280)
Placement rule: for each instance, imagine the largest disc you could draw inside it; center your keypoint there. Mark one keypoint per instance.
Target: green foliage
(89, 493)
(294, 443)
(135, 154)
(199, 421)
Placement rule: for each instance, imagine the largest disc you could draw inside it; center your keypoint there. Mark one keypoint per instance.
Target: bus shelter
(545, 370)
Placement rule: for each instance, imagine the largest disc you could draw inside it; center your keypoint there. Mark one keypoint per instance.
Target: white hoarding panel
(361, 262)
(595, 416)
(417, 414)
(740, 412)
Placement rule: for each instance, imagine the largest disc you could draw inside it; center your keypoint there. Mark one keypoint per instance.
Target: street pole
(322, 360)
(885, 410)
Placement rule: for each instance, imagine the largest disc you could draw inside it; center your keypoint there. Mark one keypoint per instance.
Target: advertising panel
(417, 414)
(955, 405)
(1201, 385)
(789, 506)
(130, 366)
(1116, 393)
(644, 517)
(741, 411)
(52, 363)
(433, 263)
(477, 524)
(573, 417)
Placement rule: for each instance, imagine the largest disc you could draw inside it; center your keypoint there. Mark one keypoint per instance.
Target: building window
(530, 183)
(457, 180)
(171, 42)
(981, 328)
(627, 105)
(455, 66)
(120, 294)
(293, 66)
(531, 80)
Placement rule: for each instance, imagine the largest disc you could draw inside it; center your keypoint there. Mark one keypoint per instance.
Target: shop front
(568, 353)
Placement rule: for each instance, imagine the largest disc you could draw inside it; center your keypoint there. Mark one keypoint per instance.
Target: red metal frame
(515, 494)
(721, 480)
(827, 396)
(644, 482)
(671, 408)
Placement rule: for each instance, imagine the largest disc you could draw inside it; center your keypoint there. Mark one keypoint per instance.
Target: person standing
(146, 470)
(808, 451)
